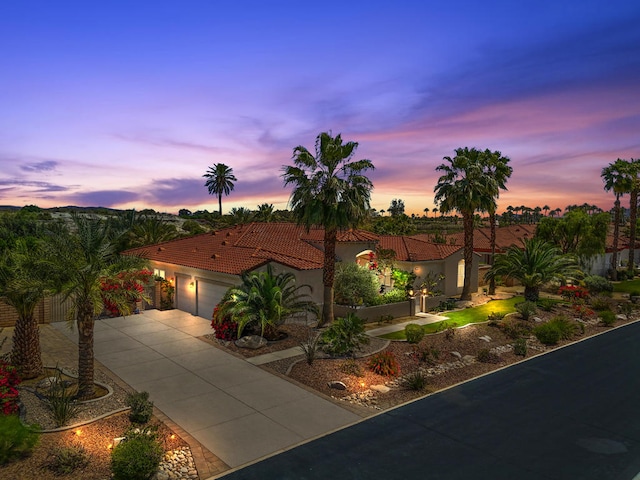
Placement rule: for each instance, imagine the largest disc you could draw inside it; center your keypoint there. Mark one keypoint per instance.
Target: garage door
(185, 295)
(208, 296)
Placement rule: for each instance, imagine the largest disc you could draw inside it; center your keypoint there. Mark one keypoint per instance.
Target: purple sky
(125, 104)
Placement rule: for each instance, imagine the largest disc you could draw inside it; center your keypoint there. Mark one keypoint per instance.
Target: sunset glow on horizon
(126, 104)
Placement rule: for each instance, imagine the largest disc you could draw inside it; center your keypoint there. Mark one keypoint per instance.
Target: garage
(208, 295)
(185, 294)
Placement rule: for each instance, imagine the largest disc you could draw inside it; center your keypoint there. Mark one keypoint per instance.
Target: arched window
(461, 273)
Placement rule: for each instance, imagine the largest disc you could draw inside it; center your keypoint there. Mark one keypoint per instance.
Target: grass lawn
(628, 286)
(459, 318)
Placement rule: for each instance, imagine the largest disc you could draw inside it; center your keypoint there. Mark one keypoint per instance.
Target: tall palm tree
(546, 209)
(266, 300)
(332, 191)
(24, 282)
(496, 167)
(265, 213)
(85, 260)
(534, 265)
(615, 180)
(220, 180)
(465, 187)
(632, 172)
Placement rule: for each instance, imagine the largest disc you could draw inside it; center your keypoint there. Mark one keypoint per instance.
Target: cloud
(159, 140)
(43, 166)
(103, 198)
(39, 187)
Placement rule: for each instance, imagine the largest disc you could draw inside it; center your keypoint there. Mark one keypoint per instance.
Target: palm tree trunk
(85, 353)
(632, 230)
(467, 222)
(492, 280)
(616, 234)
(26, 353)
(220, 203)
(531, 294)
(328, 274)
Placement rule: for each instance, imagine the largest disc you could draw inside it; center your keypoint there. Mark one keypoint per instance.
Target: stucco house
(204, 266)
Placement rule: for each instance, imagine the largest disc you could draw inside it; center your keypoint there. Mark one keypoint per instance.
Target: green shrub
(394, 295)
(413, 332)
(485, 356)
(310, 347)
(449, 333)
(16, 439)
(496, 316)
(566, 327)
(526, 309)
(61, 402)
(608, 318)
(547, 334)
(137, 457)
(520, 347)
(351, 367)
(355, 285)
(514, 329)
(597, 284)
(141, 407)
(344, 336)
(600, 304)
(66, 460)
(384, 363)
(428, 355)
(416, 381)
(626, 308)
(546, 304)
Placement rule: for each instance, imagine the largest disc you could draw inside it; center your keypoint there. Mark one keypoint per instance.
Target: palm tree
(330, 190)
(632, 171)
(496, 167)
(264, 213)
(534, 265)
(240, 215)
(546, 209)
(615, 180)
(149, 230)
(220, 180)
(266, 300)
(86, 259)
(24, 282)
(465, 187)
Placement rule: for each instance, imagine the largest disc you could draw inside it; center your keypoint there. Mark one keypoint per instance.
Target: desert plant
(384, 363)
(310, 346)
(416, 381)
(597, 284)
(344, 336)
(520, 347)
(61, 402)
(9, 381)
(495, 316)
(546, 304)
(141, 407)
(66, 460)
(137, 457)
(608, 318)
(413, 332)
(449, 333)
(485, 356)
(547, 334)
(16, 439)
(428, 355)
(626, 308)
(600, 304)
(351, 367)
(526, 309)
(514, 329)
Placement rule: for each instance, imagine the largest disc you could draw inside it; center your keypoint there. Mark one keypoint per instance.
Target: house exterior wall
(348, 251)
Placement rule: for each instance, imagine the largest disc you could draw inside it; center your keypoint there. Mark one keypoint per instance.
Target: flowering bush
(225, 328)
(373, 265)
(122, 288)
(582, 311)
(573, 293)
(9, 380)
(384, 363)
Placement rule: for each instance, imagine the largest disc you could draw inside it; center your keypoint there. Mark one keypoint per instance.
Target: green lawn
(628, 286)
(464, 317)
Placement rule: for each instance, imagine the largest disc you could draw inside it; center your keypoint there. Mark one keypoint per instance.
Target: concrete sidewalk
(423, 319)
(238, 411)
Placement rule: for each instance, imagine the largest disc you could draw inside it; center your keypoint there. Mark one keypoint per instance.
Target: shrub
(514, 329)
(310, 347)
(384, 363)
(344, 336)
(385, 319)
(485, 356)
(597, 284)
(608, 318)
(573, 292)
(600, 303)
(582, 311)
(351, 367)
(9, 381)
(428, 355)
(354, 285)
(137, 457)
(520, 347)
(224, 327)
(141, 407)
(61, 402)
(16, 439)
(449, 333)
(413, 332)
(546, 304)
(394, 295)
(526, 309)
(66, 460)
(626, 308)
(566, 327)
(547, 334)
(495, 316)
(416, 381)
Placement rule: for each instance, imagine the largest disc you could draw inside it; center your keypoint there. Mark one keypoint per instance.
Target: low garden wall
(373, 314)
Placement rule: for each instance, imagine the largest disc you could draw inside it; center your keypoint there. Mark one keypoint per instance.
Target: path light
(173, 436)
(78, 432)
(362, 384)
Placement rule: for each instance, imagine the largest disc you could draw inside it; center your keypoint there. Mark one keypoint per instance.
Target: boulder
(337, 385)
(380, 388)
(486, 338)
(251, 341)
(468, 359)
(456, 354)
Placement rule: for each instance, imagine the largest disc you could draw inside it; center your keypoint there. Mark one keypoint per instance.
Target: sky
(125, 104)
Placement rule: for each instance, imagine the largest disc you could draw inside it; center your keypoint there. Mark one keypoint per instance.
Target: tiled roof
(411, 249)
(317, 235)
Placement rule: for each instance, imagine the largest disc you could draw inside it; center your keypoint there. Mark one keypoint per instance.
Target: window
(461, 273)
(158, 273)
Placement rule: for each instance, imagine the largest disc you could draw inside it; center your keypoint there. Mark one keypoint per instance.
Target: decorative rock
(537, 319)
(621, 317)
(464, 304)
(47, 382)
(486, 338)
(337, 385)
(380, 388)
(468, 359)
(456, 354)
(161, 475)
(251, 341)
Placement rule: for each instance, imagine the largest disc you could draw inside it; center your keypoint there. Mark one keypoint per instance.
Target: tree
(330, 190)
(632, 170)
(264, 213)
(396, 208)
(220, 180)
(534, 265)
(616, 181)
(267, 300)
(496, 167)
(240, 215)
(85, 260)
(465, 187)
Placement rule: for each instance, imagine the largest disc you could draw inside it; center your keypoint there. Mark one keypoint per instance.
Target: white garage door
(185, 294)
(208, 296)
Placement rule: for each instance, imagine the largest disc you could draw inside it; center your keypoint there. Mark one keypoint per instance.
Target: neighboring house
(203, 267)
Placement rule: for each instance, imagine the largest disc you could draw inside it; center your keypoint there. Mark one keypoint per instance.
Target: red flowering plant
(373, 264)
(120, 292)
(9, 381)
(224, 326)
(582, 311)
(573, 293)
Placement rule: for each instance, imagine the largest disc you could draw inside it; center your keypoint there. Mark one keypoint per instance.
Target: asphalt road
(570, 415)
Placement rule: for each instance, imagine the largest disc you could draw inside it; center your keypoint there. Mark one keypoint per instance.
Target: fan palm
(465, 187)
(220, 180)
(331, 191)
(534, 265)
